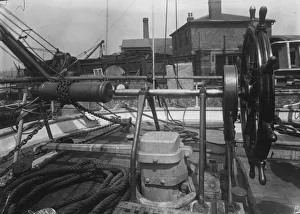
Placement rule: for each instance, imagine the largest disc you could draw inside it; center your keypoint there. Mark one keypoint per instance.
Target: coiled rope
(24, 193)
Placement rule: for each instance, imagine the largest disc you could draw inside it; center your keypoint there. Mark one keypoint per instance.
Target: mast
(106, 35)
(176, 22)
(153, 50)
(166, 28)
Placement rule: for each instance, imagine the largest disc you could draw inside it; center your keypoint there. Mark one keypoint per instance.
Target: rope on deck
(27, 191)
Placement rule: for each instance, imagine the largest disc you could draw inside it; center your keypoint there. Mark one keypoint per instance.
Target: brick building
(211, 35)
(144, 45)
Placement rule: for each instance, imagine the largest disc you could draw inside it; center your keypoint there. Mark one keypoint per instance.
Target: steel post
(202, 146)
(152, 107)
(20, 128)
(135, 144)
(52, 107)
(197, 98)
(229, 168)
(43, 110)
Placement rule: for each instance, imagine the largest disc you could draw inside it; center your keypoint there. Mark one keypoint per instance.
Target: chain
(104, 133)
(80, 134)
(64, 97)
(23, 142)
(115, 120)
(63, 91)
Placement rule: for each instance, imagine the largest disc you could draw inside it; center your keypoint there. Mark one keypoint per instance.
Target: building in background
(144, 45)
(211, 35)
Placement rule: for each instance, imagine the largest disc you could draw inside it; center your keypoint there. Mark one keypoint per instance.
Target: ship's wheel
(257, 98)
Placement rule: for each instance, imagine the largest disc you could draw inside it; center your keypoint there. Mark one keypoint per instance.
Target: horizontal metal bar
(93, 77)
(124, 149)
(170, 92)
(284, 92)
(286, 70)
(23, 80)
(284, 42)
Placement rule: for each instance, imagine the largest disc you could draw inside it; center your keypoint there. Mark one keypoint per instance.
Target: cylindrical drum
(79, 91)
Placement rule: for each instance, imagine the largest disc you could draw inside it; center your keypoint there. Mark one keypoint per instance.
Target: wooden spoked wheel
(257, 98)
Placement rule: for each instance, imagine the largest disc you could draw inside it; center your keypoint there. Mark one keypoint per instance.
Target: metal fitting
(155, 160)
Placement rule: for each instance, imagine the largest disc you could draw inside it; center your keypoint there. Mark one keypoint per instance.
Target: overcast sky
(74, 25)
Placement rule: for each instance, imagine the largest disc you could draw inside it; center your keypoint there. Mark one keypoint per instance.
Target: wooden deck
(280, 195)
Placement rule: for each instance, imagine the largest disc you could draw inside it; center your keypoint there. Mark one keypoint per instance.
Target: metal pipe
(151, 102)
(22, 80)
(283, 92)
(170, 92)
(202, 146)
(124, 149)
(92, 77)
(287, 70)
(135, 144)
(43, 110)
(20, 129)
(288, 55)
(95, 78)
(229, 169)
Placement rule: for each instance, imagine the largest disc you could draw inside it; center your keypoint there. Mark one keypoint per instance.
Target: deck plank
(282, 191)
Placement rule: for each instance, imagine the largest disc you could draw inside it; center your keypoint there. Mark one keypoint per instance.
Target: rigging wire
(34, 53)
(10, 13)
(97, 41)
(22, 7)
(25, 31)
(11, 54)
(43, 62)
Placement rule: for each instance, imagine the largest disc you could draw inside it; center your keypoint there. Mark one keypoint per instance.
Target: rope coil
(24, 193)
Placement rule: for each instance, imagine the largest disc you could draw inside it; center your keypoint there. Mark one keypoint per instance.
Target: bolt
(147, 180)
(162, 182)
(155, 160)
(212, 185)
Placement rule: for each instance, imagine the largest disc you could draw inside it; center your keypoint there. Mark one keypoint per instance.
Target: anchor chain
(80, 134)
(112, 119)
(64, 98)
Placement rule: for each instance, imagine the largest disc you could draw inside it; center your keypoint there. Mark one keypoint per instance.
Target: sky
(74, 26)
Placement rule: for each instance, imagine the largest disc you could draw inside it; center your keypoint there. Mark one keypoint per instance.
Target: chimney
(190, 17)
(215, 9)
(145, 28)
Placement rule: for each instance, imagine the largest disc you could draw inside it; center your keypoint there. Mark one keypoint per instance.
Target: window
(231, 60)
